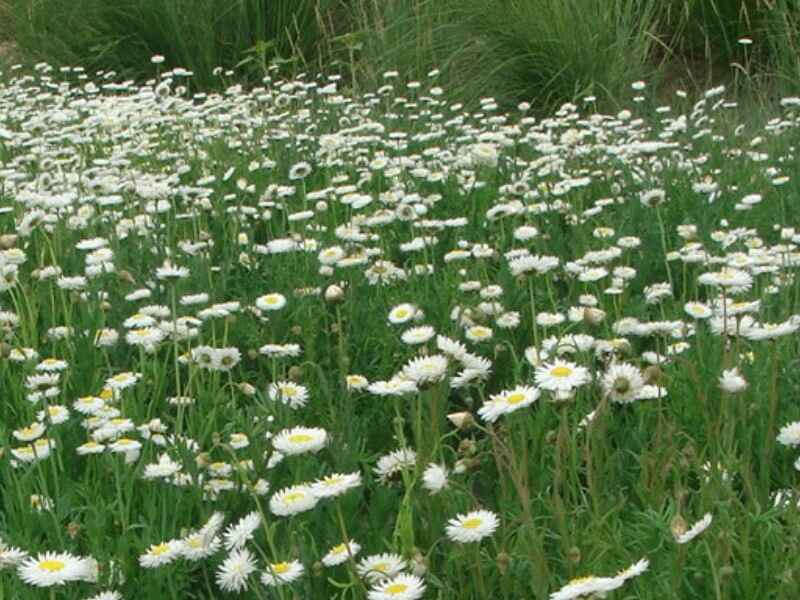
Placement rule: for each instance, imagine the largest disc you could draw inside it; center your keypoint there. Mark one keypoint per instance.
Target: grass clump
(197, 35)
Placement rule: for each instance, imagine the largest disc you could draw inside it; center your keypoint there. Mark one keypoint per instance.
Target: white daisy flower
(694, 530)
(789, 435)
(300, 440)
(472, 527)
(394, 462)
(289, 393)
(377, 567)
(402, 313)
(399, 587)
(234, 571)
(292, 500)
(561, 375)
(731, 381)
(418, 335)
(271, 302)
(161, 554)
(53, 568)
(237, 535)
(340, 553)
(281, 573)
(426, 369)
(335, 484)
(434, 479)
(622, 383)
(507, 402)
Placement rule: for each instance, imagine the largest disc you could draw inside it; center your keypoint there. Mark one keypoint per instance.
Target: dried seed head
(653, 375)
(295, 373)
(678, 526)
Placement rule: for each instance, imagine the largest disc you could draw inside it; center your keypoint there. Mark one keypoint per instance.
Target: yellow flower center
(396, 588)
(280, 568)
(401, 314)
(515, 398)
(108, 393)
(289, 392)
(293, 497)
(52, 566)
(561, 372)
(159, 549)
(472, 523)
(300, 438)
(381, 567)
(339, 549)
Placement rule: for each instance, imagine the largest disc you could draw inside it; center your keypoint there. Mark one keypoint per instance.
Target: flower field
(288, 343)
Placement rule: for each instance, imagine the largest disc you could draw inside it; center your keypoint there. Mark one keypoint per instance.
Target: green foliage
(552, 51)
(198, 35)
(542, 51)
(549, 52)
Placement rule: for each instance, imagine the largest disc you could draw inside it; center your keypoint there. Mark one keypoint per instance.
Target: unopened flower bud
(7, 241)
(502, 561)
(73, 529)
(419, 565)
(726, 571)
(574, 554)
(247, 389)
(461, 420)
(334, 294)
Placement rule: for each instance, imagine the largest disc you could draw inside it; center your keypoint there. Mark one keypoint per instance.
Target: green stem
(664, 248)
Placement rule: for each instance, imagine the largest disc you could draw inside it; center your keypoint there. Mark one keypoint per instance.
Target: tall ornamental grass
(198, 35)
(545, 52)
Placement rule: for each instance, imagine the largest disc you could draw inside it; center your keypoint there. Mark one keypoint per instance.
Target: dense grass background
(543, 51)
